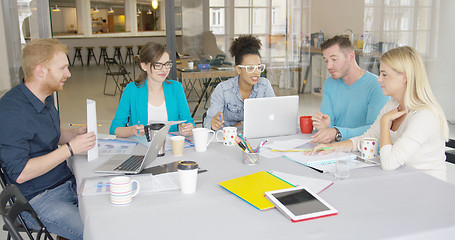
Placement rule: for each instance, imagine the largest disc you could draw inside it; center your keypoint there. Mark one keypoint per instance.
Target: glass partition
(107, 16)
(64, 17)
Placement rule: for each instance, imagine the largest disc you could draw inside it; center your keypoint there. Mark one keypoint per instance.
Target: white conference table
(372, 204)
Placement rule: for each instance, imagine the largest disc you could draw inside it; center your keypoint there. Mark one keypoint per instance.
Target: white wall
(332, 17)
(440, 68)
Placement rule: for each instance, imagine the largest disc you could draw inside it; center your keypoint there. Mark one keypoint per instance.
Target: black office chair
(12, 204)
(19, 227)
(118, 74)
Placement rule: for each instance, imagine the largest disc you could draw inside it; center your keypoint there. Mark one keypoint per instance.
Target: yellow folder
(251, 188)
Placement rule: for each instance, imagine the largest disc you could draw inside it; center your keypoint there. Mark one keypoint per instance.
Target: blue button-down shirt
(29, 128)
(226, 98)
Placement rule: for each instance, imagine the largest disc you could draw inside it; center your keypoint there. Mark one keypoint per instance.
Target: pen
(315, 169)
(239, 142)
(80, 124)
(220, 118)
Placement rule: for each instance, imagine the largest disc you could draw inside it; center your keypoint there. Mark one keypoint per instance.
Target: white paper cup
(229, 134)
(188, 176)
(121, 190)
(200, 136)
(178, 143)
(190, 65)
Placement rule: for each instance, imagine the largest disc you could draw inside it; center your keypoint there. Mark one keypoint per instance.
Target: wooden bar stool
(90, 54)
(103, 54)
(77, 54)
(129, 53)
(118, 54)
(139, 47)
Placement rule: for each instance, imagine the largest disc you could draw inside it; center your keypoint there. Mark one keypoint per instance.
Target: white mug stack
(121, 190)
(229, 134)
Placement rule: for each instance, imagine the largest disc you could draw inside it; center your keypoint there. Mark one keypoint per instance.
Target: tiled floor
(88, 83)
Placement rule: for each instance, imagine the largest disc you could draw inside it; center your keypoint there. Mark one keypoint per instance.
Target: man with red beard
(352, 97)
(30, 155)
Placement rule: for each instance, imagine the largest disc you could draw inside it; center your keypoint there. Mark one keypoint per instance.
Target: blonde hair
(40, 51)
(418, 94)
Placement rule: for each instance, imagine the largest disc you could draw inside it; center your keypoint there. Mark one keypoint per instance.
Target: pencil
(80, 124)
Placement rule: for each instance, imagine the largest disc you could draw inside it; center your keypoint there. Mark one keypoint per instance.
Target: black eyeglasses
(159, 66)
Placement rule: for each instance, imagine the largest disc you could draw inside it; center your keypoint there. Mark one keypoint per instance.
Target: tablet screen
(300, 202)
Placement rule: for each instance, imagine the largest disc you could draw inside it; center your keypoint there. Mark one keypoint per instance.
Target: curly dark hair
(244, 45)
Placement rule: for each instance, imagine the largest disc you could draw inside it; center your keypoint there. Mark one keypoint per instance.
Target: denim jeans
(58, 211)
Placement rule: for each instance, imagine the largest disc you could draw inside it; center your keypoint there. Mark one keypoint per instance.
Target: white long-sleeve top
(417, 143)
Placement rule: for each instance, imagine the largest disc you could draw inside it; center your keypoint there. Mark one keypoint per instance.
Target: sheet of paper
(327, 162)
(92, 126)
(287, 144)
(115, 146)
(313, 184)
(148, 183)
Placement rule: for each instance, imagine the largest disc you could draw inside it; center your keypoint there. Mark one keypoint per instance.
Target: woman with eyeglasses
(152, 97)
(226, 104)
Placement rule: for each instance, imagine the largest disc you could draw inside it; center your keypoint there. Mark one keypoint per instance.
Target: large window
(398, 22)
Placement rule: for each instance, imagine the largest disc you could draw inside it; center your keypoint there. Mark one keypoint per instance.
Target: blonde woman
(411, 127)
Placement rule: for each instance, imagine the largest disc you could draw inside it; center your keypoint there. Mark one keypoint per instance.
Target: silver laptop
(133, 164)
(268, 117)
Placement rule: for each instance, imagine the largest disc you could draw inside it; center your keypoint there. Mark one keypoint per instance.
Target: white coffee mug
(121, 190)
(229, 134)
(190, 65)
(200, 136)
(368, 148)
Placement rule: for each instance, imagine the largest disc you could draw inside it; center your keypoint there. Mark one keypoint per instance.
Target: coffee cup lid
(187, 165)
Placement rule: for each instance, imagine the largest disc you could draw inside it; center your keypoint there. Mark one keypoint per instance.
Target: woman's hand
(321, 149)
(186, 129)
(137, 130)
(217, 121)
(392, 115)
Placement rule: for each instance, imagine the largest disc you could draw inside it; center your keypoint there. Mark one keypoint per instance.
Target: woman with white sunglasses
(226, 104)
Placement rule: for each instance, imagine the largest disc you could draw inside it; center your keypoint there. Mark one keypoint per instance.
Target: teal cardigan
(134, 105)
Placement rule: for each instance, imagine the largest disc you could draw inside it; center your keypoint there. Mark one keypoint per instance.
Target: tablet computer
(300, 204)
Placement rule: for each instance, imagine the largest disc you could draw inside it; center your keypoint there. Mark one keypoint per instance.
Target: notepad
(251, 188)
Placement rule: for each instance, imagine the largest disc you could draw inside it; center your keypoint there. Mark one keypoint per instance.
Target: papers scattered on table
(148, 183)
(115, 146)
(326, 162)
(281, 145)
(314, 184)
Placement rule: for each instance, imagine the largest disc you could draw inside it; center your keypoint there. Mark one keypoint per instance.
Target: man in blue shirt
(30, 135)
(352, 97)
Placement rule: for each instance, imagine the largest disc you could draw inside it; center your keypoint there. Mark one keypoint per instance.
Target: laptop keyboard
(130, 164)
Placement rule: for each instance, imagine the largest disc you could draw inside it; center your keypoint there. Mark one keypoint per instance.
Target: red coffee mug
(306, 124)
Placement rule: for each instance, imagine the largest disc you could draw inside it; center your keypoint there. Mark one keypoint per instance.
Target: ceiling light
(96, 9)
(154, 4)
(110, 10)
(149, 12)
(56, 9)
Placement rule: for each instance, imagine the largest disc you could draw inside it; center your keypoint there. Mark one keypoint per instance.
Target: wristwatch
(337, 135)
